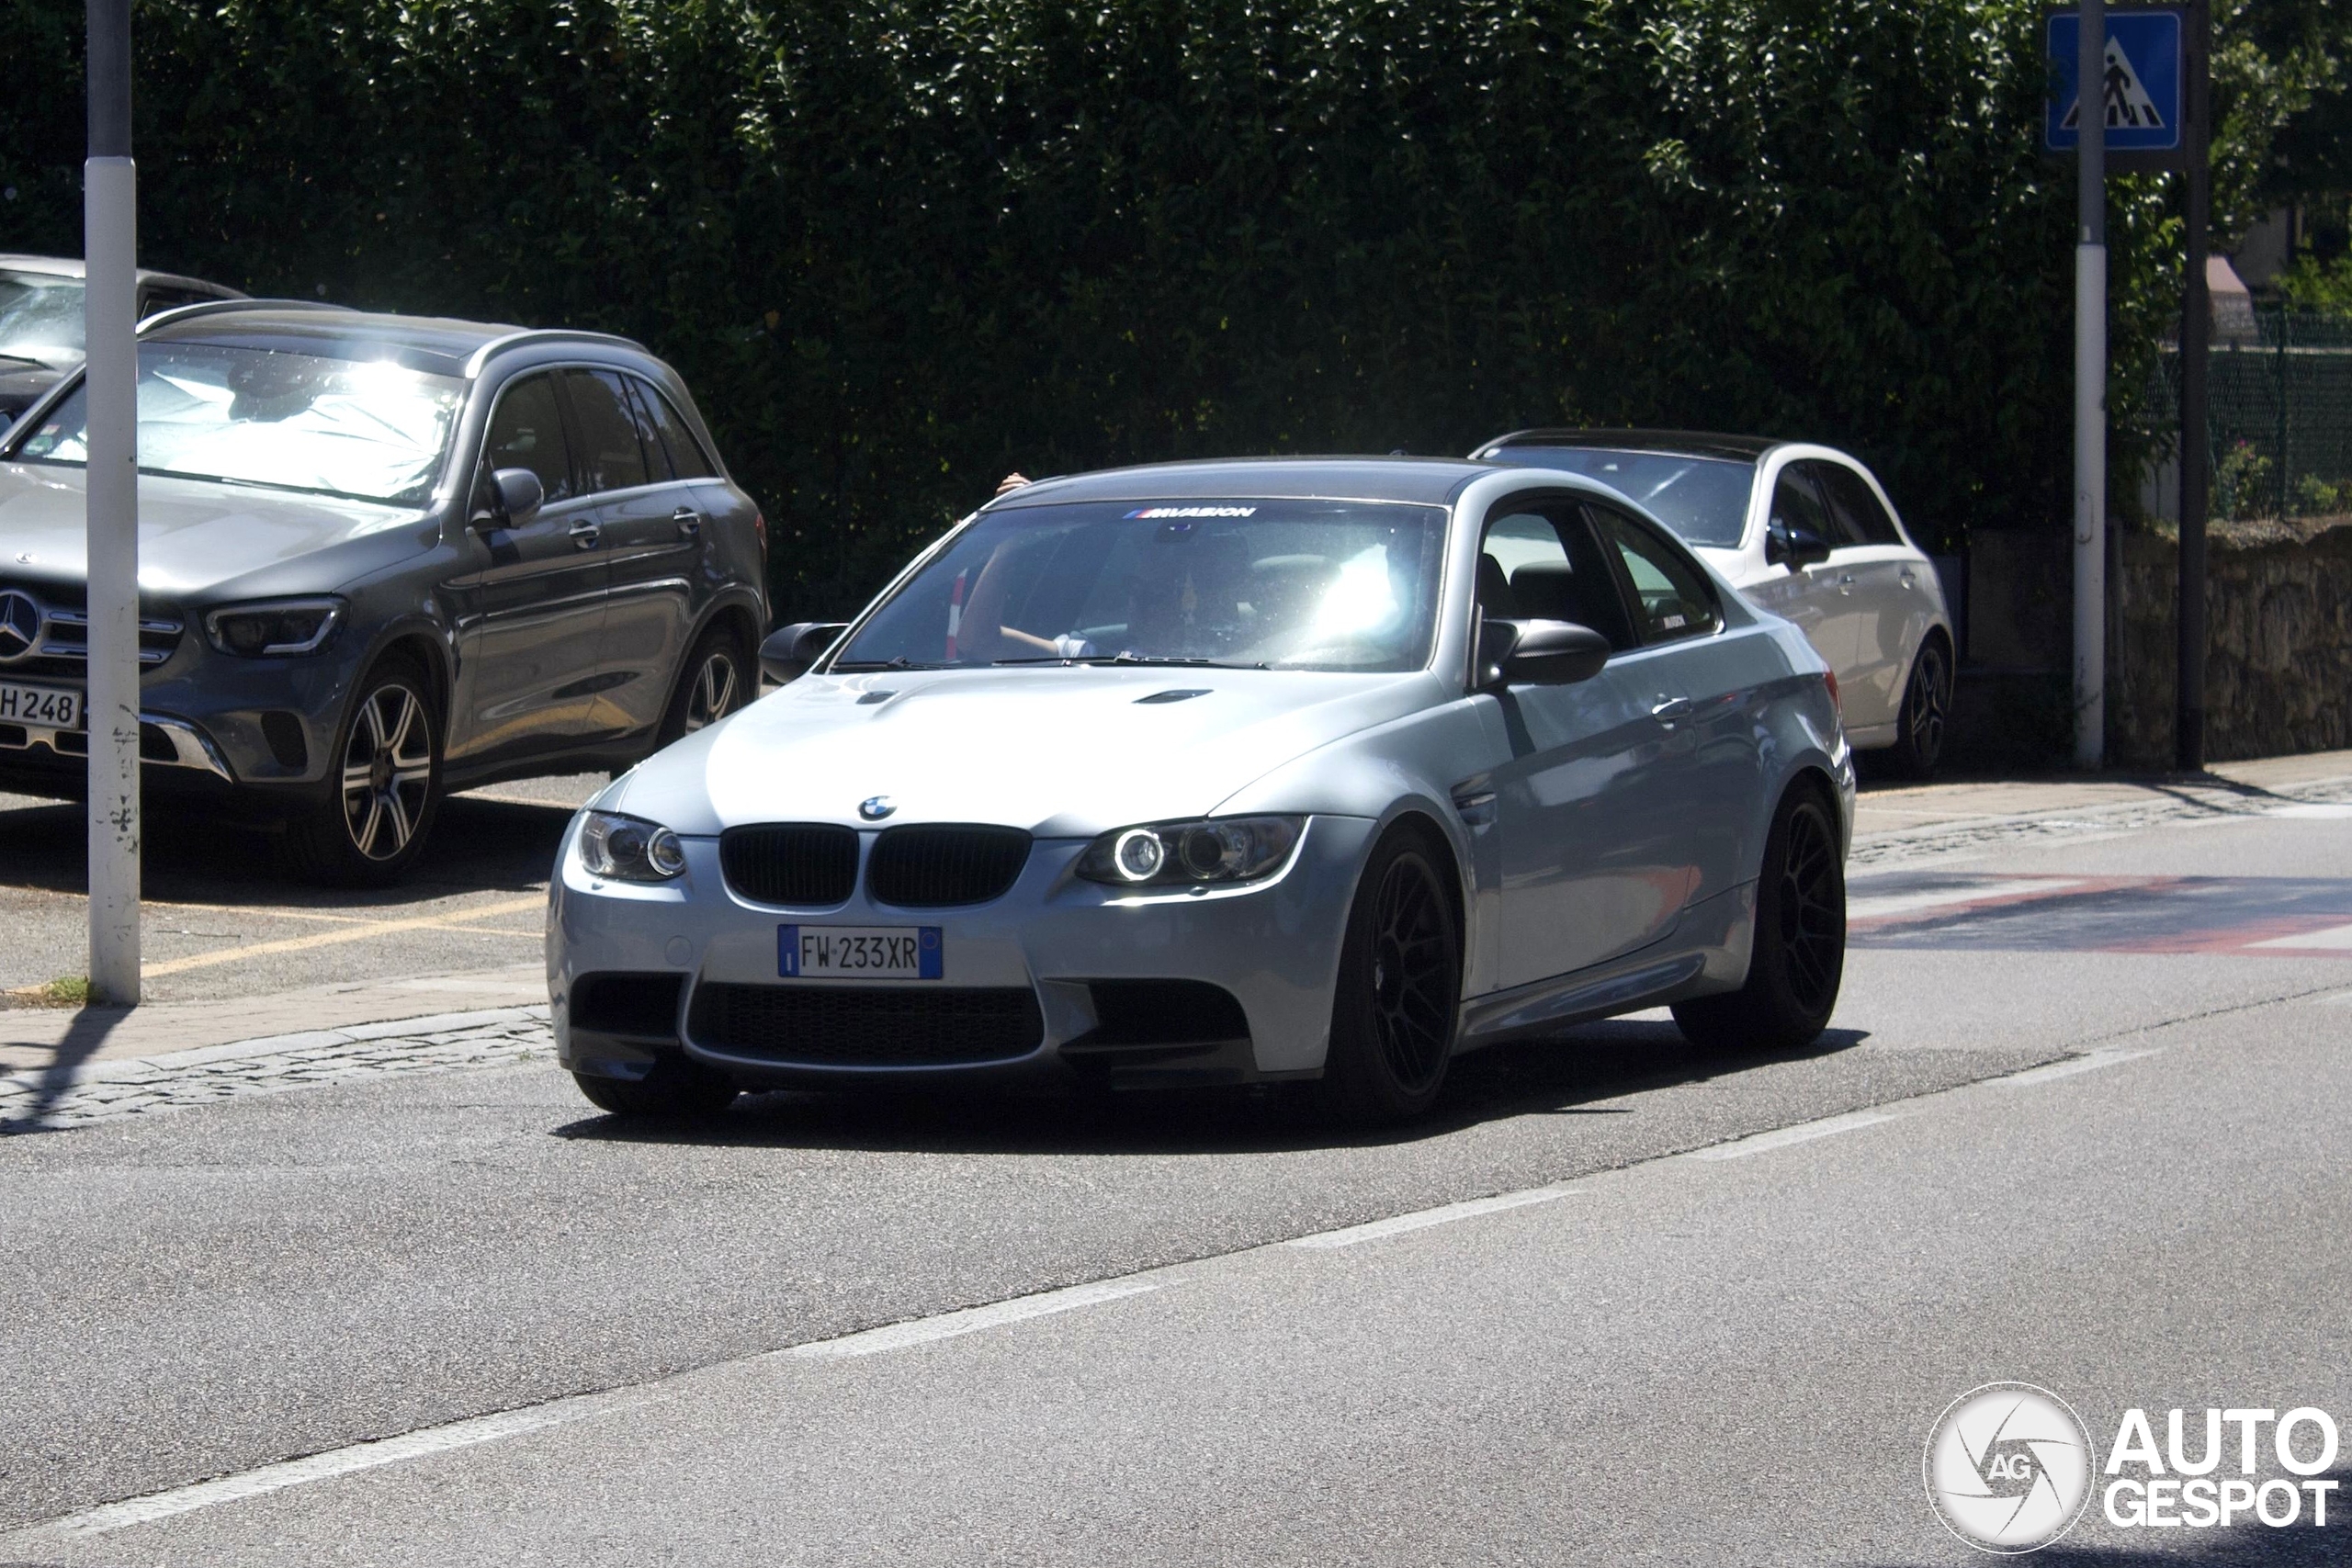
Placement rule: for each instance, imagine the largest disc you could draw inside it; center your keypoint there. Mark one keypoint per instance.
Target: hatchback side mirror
(790, 650)
(517, 495)
(1538, 653)
(1793, 548)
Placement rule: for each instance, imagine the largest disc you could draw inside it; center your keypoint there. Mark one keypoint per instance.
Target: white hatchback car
(1807, 532)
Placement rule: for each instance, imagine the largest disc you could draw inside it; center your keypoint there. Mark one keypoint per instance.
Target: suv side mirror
(789, 650)
(515, 497)
(1538, 653)
(1793, 548)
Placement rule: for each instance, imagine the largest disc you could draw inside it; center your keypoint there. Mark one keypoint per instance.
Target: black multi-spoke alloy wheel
(383, 788)
(719, 678)
(1925, 718)
(676, 1089)
(1799, 956)
(1394, 1016)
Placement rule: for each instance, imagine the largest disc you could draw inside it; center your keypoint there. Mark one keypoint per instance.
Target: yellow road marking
(328, 939)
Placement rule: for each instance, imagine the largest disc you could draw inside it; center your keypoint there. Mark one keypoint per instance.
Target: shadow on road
(84, 1036)
(478, 845)
(1569, 1076)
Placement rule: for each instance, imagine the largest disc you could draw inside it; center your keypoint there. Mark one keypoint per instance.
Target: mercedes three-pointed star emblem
(20, 624)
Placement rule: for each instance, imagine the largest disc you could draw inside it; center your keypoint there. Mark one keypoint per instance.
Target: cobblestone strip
(39, 1099)
(2185, 804)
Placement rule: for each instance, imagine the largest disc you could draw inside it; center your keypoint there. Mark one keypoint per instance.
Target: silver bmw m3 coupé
(1225, 773)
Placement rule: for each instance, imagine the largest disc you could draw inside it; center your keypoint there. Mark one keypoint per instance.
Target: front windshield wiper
(23, 359)
(272, 484)
(1185, 658)
(859, 666)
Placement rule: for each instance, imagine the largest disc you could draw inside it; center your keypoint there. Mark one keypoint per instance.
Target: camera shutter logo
(20, 624)
(2008, 1467)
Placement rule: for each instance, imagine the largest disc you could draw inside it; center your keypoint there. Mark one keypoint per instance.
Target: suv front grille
(939, 867)
(64, 646)
(810, 864)
(880, 1026)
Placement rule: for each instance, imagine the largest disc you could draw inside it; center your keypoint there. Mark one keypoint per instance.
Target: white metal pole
(111, 216)
(2090, 397)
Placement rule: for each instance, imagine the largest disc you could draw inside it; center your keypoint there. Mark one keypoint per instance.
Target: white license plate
(51, 708)
(858, 952)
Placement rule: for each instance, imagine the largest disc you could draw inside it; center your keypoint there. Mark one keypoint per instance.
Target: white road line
(948, 1325)
(2319, 811)
(1423, 1219)
(2335, 939)
(2090, 1062)
(336, 1462)
(1803, 1132)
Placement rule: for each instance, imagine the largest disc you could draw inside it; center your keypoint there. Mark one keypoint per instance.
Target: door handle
(1671, 709)
(689, 520)
(584, 536)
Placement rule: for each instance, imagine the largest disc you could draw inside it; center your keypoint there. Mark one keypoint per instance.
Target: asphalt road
(1653, 1356)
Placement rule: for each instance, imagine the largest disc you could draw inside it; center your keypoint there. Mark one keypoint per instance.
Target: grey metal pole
(2196, 434)
(110, 218)
(2090, 397)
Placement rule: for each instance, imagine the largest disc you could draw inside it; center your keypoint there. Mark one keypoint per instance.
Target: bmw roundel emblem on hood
(20, 619)
(876, 807)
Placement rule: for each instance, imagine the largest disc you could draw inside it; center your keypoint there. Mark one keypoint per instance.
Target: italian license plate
(51, 708)
(858, 952)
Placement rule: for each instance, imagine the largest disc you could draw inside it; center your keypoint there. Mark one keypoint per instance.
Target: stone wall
(2279, 659)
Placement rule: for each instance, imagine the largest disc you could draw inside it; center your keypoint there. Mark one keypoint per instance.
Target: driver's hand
(1010, 482)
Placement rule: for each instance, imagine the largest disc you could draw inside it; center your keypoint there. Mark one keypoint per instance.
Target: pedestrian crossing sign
(2141, 81)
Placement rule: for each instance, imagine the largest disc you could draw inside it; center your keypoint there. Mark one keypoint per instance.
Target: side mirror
(516, 496)
(789, 650)
(1538, 653)
(1793, 548)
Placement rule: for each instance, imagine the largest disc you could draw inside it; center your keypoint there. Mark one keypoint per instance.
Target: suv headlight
(277, 626)
(630, 849)
(1225, 849)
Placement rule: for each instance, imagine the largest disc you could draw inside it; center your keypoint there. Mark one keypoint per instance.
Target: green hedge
(899, 248)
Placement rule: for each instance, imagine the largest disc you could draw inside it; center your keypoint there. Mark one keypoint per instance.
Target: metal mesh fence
(2278, 402)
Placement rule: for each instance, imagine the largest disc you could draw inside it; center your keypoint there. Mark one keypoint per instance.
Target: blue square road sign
(2142, 81)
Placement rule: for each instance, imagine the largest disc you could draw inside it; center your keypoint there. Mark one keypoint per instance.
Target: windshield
(1704, 499)
(1277, 584)
(372, 431)
(41, 318)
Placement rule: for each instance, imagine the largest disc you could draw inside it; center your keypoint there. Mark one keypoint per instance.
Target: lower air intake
(880, 1026)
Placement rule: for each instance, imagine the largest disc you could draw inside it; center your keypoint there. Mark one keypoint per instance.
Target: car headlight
(1227, 849)
(630, 849)
(279, 626)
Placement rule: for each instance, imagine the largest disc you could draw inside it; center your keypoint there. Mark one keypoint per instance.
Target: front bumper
(1273, 946)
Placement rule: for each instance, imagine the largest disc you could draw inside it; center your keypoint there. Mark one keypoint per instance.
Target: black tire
(1924, 722)
(371, 819)
(1798, 957)
(721, 675)
(1393, 1013)
(676, 1089)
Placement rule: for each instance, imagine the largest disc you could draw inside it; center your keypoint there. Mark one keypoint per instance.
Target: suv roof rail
(480, 356)
(218, 307)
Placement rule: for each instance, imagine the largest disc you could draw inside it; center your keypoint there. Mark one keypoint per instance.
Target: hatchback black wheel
(384, 789)
(1798, 959)
(1921, 726)
(677, 1089)
(717, 680)
(1393, 1018)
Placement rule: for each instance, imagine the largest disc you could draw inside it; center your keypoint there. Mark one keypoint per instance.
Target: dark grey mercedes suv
(382, 556)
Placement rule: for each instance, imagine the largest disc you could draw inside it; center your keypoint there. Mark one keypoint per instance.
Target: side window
(1545, 566)
(159, 300)
(1797, 504)
(1860, 518)
(636, 394)
(1671, 598)
(687, 460)
(610, 456)
(526, 431)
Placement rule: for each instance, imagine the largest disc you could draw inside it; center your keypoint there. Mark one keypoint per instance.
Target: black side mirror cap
(788, 652)
(1795, 548)
(1538, 653)
(515, 497)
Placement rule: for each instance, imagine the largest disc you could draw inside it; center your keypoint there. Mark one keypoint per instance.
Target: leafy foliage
(899, 248)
